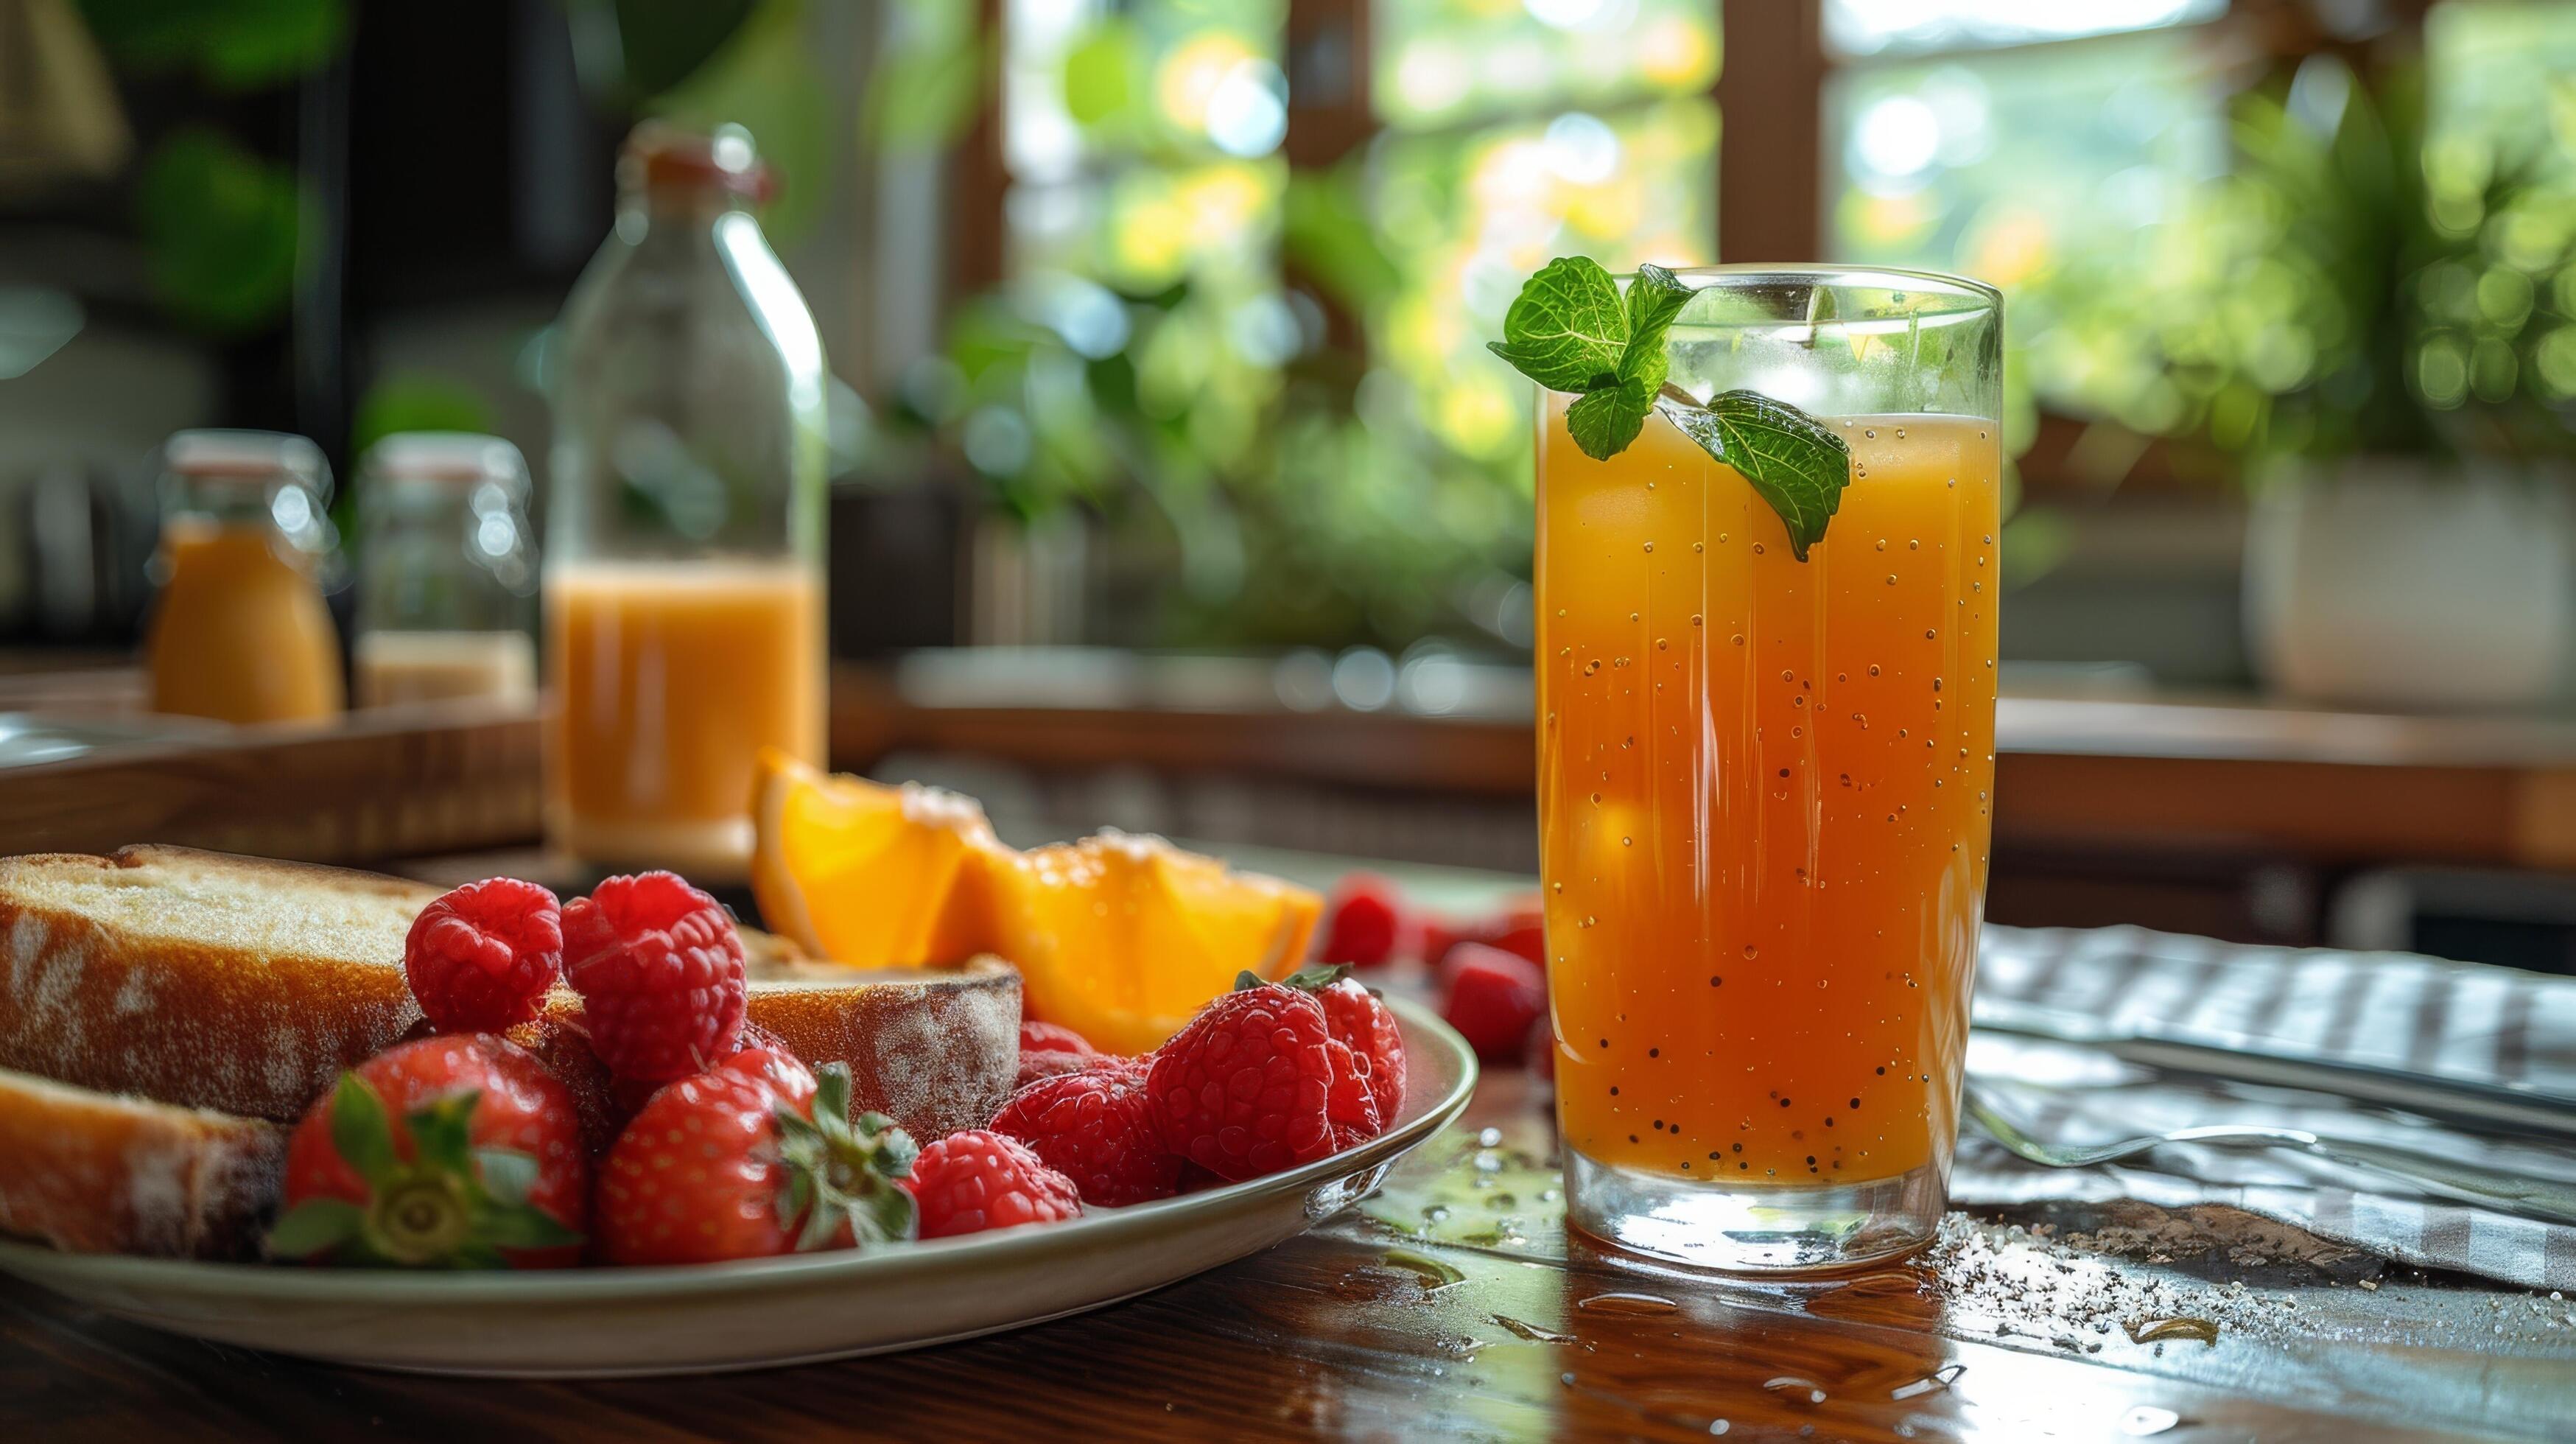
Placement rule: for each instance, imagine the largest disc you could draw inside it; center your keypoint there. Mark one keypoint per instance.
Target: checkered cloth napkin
(2457, 1020)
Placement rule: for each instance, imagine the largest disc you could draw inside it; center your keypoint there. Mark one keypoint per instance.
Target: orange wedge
(859, 872)
(1123, 939)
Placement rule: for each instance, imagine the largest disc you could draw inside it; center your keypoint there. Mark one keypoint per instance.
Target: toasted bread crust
(935, 1049)
(204, 1024)
(92, 1172)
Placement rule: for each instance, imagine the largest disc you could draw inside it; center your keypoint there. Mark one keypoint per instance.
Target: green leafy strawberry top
(1571, 330)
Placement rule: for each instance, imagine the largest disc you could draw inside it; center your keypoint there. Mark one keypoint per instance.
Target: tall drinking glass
(1765, 784)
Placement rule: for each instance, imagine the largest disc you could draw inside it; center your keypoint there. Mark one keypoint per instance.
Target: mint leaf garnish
(1654, 299)
(1794, 462)
(1571, 330)
(1603, 422)
(1566, 330)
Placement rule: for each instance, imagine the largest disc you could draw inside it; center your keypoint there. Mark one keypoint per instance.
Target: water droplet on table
(2148, 1419)
(1628, 1304)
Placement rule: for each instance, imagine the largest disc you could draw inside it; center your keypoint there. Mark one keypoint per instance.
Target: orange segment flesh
(1123, 939)
(859, 872)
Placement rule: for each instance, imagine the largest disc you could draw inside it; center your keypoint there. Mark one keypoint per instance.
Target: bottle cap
(663, 157)
(458, 457)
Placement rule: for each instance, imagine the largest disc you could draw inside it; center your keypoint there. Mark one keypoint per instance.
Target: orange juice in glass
(684, 598)
(1765, 783)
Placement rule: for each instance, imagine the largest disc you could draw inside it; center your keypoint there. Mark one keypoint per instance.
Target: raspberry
(1366, 921)
(1494, 996)
(658, 965)
(1519, 929)
(1049, 1049)
(978, 1179)
(1358, 1020)
(1244, 1089)
(1097, 1128)
(1034, 1034)
(481, 958)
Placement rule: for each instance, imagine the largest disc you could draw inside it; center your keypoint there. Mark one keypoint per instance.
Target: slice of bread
(199, 978)
(246, 986)
(94, 1172)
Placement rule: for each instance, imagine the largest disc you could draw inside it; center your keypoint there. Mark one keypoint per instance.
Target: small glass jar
(684, 548)
(447, 574)
(240, 632)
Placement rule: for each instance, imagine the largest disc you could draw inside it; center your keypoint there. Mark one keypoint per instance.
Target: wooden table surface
(1452, 1305)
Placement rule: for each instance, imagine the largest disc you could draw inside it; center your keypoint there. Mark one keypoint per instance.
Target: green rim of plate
(1106, 1226)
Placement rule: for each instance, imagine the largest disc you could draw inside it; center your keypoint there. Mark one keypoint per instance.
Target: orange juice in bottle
(1766, 783)
(670, 679)
(683, 594)
(239, 632)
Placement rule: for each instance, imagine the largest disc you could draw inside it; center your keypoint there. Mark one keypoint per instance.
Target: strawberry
(1365, 923)
(1097, 1128)
(481, 958)
(1494, 997)
(978, 1179)
(659, 968)
(1244, 1089)
(754, 1157)
(1047, 1049)
(457, 1151)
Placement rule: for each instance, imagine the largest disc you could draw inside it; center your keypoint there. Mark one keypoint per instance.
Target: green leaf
(360, 1132)
(1603, 422)
(895, 1153)
(1247, 980)
(315, 1225)
(1317, 979)
(832, 1091)
(221, 228)
(442, 1135)
(522, 1226)
(1654, 299)
(507, 1174)
(1794, 462)
(1567, 330)
(886, 1215)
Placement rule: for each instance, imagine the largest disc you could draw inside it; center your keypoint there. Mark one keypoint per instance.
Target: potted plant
(2386, 336)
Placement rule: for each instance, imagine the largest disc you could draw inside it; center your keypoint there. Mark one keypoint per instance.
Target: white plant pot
(2389, 582)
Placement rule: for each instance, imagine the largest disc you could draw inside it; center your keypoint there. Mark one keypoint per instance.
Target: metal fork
(2443, 1177)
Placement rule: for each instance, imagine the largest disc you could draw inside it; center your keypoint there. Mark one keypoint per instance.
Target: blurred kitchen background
(1173, 489)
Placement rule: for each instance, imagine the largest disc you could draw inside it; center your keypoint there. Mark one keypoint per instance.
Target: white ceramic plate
(709, 1317)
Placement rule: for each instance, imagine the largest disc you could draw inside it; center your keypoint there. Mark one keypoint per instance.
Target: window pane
(1443, 60)
(1874, 27)
(1183, 78)
(2057, 176)
(1468, 217)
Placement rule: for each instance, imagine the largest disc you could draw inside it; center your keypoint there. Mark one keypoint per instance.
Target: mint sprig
(1571, 330)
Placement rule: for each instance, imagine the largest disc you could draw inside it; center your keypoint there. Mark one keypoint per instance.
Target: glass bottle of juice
(240, 632)
(447, 572)
(683, 583)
